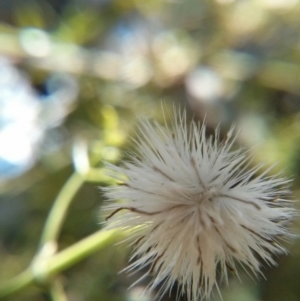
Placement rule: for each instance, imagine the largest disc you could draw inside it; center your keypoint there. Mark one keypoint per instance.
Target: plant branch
(57, 292)
(17, 283)
(59, 210)
(60, 261)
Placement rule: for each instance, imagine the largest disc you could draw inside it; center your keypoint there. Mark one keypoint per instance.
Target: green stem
(57, 292)
(59, 210)
(60, 261)
(17, 283)
(80, 250)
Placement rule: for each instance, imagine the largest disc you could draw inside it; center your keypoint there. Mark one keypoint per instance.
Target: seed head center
(208, 194)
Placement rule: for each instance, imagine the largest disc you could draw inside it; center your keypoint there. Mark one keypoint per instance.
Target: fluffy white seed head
(193, 205)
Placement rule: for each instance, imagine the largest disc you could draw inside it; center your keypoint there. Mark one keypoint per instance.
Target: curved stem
(59, 210)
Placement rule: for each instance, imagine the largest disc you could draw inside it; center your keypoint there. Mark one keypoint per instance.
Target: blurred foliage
(88, 70)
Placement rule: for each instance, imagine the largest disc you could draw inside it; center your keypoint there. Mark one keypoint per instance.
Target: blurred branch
(40, 271)
(16, 284)
(47, 263)
(97, 175)
(81, 250)
(57, 291)
(59, 209)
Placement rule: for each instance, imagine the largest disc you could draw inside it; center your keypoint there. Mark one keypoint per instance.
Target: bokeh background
(86, 71)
